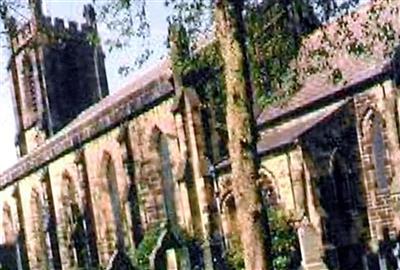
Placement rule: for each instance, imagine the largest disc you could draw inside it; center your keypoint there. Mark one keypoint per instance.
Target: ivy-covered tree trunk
(242, 132)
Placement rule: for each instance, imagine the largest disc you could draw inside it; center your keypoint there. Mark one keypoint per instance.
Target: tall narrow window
(168, 180)
(74, 235)
(111, 178)
(29, 81)
(21, 233)
(379, 153)
(39, 245)
(8, 252)
(9, 235)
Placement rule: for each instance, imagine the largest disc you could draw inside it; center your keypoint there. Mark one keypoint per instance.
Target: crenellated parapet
(48, 55)
(69, 29)
(51, 27)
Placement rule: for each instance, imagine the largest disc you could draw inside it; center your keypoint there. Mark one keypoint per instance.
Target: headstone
(172, 263)
(311, 247)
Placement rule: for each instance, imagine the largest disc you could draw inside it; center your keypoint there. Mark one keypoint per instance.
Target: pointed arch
(73, 231)
(9, 256)
(168, 183)
(268, 186)
(229, 218)
(8, 226)
(379, 153)
(374, 132)
(41, 259)
(110, 176)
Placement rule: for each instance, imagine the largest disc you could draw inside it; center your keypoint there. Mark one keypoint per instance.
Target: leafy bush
(234, 256)
(146, 247)
(284, 242)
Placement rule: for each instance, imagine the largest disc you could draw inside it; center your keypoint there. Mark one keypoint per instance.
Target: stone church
(97, 171)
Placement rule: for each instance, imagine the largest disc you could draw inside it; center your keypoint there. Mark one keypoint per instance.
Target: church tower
(57, 72)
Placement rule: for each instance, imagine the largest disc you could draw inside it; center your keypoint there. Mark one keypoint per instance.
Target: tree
(231, 36)
(241, 129)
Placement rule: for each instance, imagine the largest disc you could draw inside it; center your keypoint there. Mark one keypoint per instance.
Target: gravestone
(311, 247)
(172, 263)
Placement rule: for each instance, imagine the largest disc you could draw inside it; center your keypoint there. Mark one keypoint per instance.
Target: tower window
(29, 80)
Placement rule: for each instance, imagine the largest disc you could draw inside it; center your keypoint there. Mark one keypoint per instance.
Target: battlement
(59, 25)
(54, 58)
(55, 26)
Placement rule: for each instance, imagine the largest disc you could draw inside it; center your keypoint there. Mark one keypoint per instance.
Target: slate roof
(333, 40)
(153, 84)
(316, 91)
(289, 132)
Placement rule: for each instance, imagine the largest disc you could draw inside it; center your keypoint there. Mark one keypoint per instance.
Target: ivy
(273, 43)
(146, 247)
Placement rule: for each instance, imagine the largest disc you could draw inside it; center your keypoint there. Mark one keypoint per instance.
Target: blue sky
(72, 10)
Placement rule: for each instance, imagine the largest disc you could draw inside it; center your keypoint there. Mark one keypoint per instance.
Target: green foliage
(274, 32)
(234, 256)
(147, 246)
(284, 241)
(284, 244)
(273, 42)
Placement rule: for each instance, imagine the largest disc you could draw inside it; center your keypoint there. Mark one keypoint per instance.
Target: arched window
(73, 233)
(111, 178)
(8, 251)
(41, 259)
(168, 180)
(29, 83)
(379, 152)
(9, 234)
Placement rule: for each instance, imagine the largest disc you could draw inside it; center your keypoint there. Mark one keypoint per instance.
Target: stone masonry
(93, 180)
